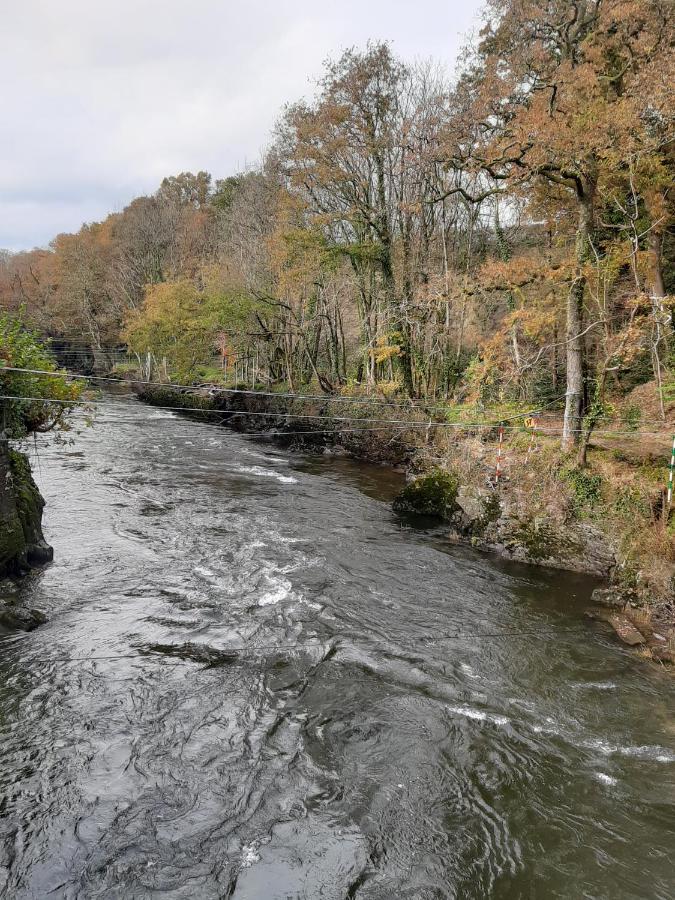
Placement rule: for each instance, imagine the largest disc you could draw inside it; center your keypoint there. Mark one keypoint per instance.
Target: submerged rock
(16, 618)
(199, 653)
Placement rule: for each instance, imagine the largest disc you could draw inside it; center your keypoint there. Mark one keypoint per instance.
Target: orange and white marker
(498, 470)
(531, 423)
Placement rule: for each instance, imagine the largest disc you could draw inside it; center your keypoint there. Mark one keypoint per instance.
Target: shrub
(587, 487)
(631, 417)
(32, 402)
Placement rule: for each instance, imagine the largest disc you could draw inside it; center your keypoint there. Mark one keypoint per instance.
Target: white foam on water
(249, 856)
(551, 727)
(648, 751)
(545, 729)
(274, 459)
(478, 715)
(267, 473)
(603, 778)
(278, 591)
(468, 671)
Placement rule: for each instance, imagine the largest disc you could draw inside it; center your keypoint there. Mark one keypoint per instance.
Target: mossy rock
(491, 511)
(539, 540)
(12, 543)
(29, 501)
(433, 495)
(171, 396)
(22, 544)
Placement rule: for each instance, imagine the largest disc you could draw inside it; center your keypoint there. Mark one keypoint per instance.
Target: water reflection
(255, 683)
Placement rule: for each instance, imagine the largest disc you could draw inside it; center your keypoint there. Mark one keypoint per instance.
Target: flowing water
(256, 683)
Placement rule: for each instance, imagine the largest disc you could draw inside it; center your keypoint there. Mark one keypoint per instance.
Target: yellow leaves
(383, 353)
(169, 312)
(386, 347)
(536, 324)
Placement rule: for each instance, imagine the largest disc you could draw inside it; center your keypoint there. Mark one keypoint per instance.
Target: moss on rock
(28, 499)
(22, 544)
(432, 495)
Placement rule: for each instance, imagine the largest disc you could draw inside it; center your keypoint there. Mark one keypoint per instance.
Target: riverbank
(602, 521)
(245, 651)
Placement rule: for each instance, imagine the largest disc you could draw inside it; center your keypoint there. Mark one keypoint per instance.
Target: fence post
(531, 423)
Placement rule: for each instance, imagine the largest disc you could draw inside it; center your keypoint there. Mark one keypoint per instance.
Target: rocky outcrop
(289, 422)
(573, 547)
(647, 624)
(490, 521)
(22, 544)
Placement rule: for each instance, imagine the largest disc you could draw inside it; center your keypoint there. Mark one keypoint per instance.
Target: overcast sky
(103, 98)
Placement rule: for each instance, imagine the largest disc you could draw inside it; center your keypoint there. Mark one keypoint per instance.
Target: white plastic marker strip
(498, 470)
(670, 475)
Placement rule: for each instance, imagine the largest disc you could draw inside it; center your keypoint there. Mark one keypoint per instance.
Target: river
(255, 682)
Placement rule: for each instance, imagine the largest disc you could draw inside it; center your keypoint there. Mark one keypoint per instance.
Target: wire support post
(501, 458)
(533, 446)
(671, 469)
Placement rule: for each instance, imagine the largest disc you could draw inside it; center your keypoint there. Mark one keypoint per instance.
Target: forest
(497, 241)
(505, 236)
(337, 520)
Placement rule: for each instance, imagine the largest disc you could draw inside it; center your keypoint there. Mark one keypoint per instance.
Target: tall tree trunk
(662, 327)
(575, 318)
(399, 323)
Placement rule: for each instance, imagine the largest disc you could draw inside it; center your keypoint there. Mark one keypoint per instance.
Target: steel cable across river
(256, 683)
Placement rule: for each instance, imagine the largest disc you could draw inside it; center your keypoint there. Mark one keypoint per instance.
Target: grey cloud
(101, 100)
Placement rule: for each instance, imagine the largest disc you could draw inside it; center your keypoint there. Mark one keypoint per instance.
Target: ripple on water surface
(254, 683)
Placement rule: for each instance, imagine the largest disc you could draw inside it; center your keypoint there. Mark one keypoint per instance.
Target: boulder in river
(17, 618)
(433, 495)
